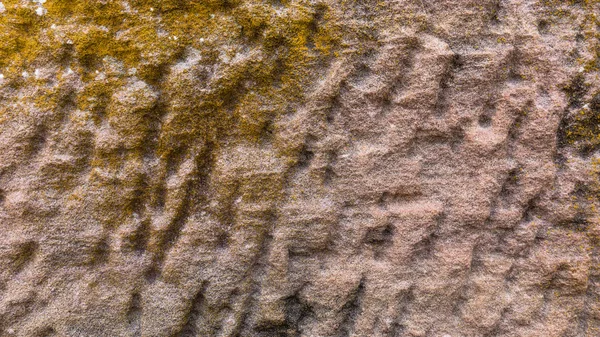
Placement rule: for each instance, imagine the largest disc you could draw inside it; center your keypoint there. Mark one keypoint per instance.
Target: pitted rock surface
(300, 168)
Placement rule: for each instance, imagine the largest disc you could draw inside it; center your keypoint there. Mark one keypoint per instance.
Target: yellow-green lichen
(163, 81)
(260, 54)
(583, 127)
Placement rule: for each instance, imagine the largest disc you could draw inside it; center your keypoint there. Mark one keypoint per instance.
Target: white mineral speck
(2, 8)
(1, 77)
(25, 74)
(41, 11)
(201, 40)
(53, 26)
(37, 73)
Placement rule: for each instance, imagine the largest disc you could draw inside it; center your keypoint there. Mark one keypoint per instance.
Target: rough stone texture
(300, 168)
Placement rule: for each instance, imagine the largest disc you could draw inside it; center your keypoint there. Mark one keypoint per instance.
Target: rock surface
(300, 168)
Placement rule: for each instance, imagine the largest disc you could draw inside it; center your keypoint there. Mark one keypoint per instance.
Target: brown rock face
(308, 168)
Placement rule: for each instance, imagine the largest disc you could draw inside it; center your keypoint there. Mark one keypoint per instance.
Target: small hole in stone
(543, 26)
(485, 121)
(304, 158)
(223, 241)
(152, 274)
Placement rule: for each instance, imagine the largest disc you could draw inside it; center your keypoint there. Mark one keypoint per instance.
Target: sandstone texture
(302, 168)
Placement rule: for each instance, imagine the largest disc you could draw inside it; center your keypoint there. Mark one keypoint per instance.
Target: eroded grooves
(331, 168)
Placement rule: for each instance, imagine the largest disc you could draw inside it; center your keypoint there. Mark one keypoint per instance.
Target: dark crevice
(154, 118)
(406, 300)
(510, 184)
(576, 91)
(152, 273)
(26, 254)
(515, 130)
(266, 132)
(457, 138)
(227, 210)
(297, 313)
(205, 166)
(424, 248)
(379, 239)
(361, 71)
(67, 102)
(386, 103)
(462, 298)
(362, 67)
(514, 57)
(190, 328)
(101, 252)
(38, 140)
(387, 198)
(529, 211)
(159, 197)
(496, 12)
(335, 106)
(328, 175)
(223, 241)
(578, 223)
(192, 186)
(580, 191)
(485, 119)
(351, 310)
(134, 315)
(174, 160)
(258, 267)
(313, 26)
(141, 236)
(561, 140)
(304, 158)
(443, 98)
(543, 27)
(173, 231)
(137, 201)
(46, 332)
